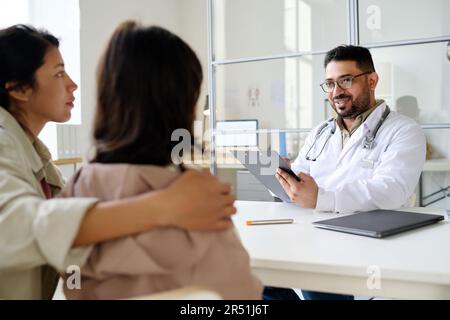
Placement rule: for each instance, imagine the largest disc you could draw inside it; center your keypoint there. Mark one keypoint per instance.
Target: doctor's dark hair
(22, 52)
(148, 84)
(360, 55)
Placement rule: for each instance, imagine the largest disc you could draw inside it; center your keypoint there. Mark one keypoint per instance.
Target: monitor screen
(237, 139)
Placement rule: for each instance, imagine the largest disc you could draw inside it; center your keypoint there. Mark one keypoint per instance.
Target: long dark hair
(22, 52)
(148, 84)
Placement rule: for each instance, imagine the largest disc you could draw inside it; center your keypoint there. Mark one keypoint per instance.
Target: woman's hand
(197, 201)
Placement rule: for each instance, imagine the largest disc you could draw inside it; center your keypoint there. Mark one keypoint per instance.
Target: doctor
(368, 157)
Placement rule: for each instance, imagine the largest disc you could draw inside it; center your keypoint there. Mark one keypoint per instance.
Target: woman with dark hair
(37, 231)
(148, 84)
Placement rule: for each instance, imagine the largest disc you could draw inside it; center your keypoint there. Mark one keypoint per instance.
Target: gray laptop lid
(263, 166)
(379, 223)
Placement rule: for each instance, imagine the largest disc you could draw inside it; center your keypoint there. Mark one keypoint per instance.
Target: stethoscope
(367, 144)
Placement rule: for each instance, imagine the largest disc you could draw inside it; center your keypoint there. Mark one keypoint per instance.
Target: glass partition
(414, 80)
(256, 78)
(282, 93)
(385, 21)
(245, 28)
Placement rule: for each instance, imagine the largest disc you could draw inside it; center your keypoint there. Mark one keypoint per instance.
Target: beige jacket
(34, 232)
(161, 259)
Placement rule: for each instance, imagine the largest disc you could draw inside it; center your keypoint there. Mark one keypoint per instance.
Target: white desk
(412, 265)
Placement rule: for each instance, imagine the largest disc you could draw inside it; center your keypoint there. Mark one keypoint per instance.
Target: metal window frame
(353, 38)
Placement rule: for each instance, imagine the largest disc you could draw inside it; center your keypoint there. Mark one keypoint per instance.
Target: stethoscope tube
(368, 142)
(330, 122)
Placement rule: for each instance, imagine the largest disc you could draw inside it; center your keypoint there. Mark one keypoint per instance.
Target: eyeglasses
(343, 83)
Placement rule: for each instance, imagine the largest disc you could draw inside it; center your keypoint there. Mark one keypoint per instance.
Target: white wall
(193, 30)
(98, 20)
(186, 18)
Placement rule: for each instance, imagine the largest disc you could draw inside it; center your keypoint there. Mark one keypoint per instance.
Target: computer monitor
(237, 139)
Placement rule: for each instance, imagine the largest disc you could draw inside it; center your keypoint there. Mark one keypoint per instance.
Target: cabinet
(249, 188)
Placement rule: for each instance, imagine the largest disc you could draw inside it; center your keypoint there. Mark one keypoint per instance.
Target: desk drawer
(249, 188)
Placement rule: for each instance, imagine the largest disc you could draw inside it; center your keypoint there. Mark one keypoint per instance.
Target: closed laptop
(379, 223)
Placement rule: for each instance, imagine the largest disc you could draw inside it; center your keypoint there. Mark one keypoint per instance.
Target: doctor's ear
(18, 92)
(373, 80)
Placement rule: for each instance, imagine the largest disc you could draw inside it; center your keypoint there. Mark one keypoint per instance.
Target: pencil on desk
(273, 221)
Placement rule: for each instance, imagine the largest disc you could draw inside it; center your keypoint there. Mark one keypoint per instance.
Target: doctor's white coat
(356, 179)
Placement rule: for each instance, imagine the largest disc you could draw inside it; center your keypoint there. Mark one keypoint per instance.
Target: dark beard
(360, 105)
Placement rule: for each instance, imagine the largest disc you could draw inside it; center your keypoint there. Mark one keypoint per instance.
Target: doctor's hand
(303, 192)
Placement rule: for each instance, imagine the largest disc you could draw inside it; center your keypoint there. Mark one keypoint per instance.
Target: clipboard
(263, 166)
